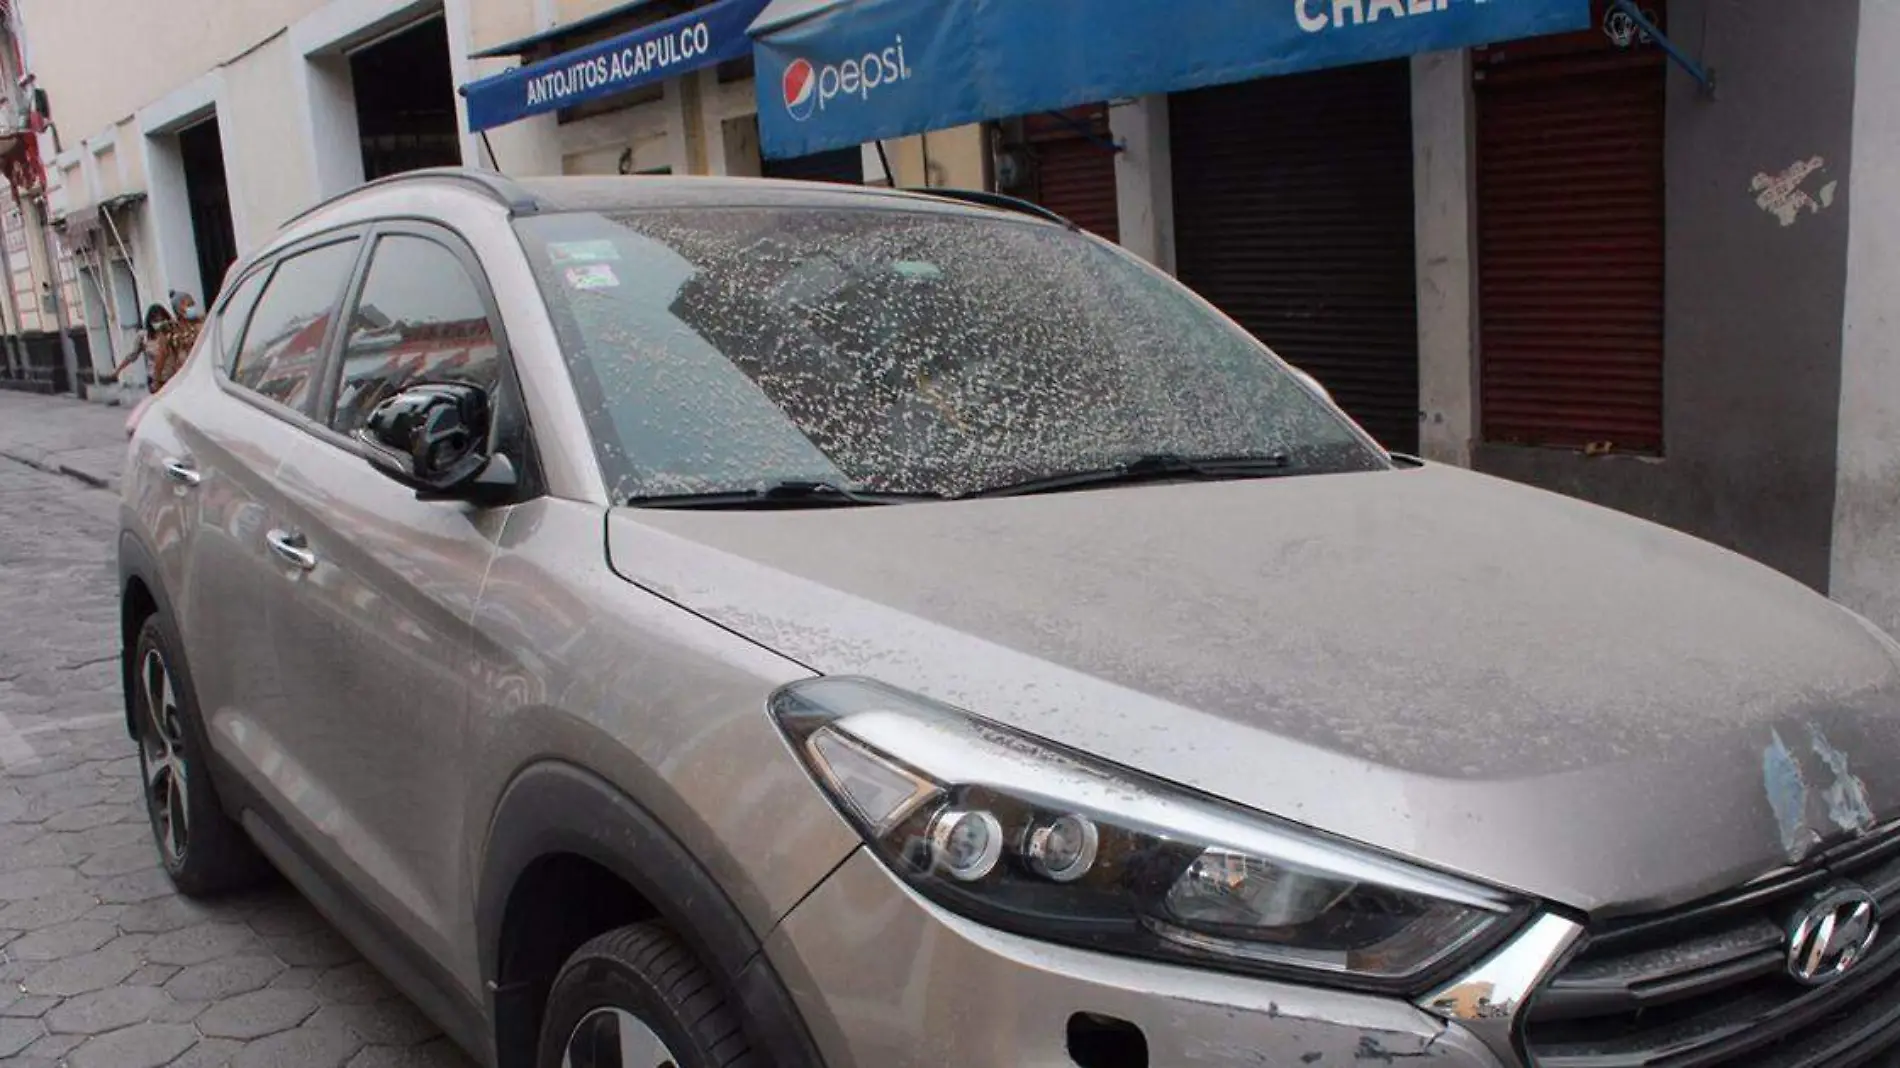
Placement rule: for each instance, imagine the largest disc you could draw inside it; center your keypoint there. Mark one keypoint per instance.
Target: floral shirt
(172, 344)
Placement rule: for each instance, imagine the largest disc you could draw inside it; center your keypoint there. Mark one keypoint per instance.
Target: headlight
(1034, 838)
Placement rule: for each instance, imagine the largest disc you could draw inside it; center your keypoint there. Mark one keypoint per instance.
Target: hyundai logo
(1832, 934)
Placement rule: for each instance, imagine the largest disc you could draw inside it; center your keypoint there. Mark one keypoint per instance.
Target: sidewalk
(64, 436)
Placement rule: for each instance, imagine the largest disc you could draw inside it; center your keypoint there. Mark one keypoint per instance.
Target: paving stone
(62, 940)
(121, 860)
(152, 975)
(299, 979)
(439, 1053)
(165, 914)
(179, 1011)
(145, 1045)
(52, 1047)
(80, 844)
(286, 917)
(84, 819)
(320, 948)
(200, 943)
(82, 974)
(139, 886)
(302, 1047)
(29, 883)
(224, 978)
(259, 1013)
(17, 1034)
(106, 1010)
(28, 1007)
(40, 851)
(208, 1053)
(386, 1023)
(59, 907)
(353, 984)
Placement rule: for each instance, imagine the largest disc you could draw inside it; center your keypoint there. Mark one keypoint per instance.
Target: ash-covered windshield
(898, 351)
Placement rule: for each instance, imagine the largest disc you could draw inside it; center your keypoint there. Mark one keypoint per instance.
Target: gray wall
(1753, 322)
(1867, 491)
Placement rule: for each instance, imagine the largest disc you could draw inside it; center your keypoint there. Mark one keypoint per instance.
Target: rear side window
(420, 318)
(282, 348)
(235, 313)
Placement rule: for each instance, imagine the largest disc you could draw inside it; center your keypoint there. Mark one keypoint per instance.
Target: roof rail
(500, 188)
(999, 201)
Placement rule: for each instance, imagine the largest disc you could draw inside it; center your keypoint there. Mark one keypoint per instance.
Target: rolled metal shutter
(1075, 167)
(1293, 213)
(1570, 242)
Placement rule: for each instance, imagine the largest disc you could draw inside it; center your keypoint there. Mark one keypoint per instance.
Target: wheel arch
(559, 830)
(141, 596)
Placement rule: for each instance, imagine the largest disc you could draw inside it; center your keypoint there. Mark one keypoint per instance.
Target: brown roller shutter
(1075, 167)
(1293, 214)
(1570, 242)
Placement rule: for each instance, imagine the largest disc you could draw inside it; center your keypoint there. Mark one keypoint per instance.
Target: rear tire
(637, 998)
(203, 850)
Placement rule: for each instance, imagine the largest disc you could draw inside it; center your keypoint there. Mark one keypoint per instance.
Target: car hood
(1488, 678)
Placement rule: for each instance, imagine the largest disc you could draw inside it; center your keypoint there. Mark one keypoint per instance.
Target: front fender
(553, 808)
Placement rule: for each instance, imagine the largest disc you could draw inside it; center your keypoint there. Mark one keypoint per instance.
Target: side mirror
(433, 438)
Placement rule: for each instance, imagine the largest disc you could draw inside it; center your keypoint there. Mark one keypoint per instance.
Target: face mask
(193, 315)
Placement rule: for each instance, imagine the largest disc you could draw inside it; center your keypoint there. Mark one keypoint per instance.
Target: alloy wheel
(615, 1038)
(162, 757)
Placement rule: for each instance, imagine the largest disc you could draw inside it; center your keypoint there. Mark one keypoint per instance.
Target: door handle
(181, 471)
(291, 548)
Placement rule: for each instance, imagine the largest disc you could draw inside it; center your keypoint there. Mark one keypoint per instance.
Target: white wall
(1866, 557)
(1443, 190)
(1144, 178)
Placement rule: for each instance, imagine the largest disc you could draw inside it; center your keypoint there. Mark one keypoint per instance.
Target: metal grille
(1075, 167)
(1570, 242)
(1293, 213)
(1708, 986)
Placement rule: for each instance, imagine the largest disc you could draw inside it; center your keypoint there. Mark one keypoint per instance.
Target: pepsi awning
(833, 73)
(683, 43)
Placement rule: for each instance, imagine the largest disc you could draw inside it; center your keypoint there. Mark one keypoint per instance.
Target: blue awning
(842, 72)
(683, 43)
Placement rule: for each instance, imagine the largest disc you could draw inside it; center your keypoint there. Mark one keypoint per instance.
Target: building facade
(1568, 260)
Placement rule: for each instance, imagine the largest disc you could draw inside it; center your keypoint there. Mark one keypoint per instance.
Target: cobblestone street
(100, 963)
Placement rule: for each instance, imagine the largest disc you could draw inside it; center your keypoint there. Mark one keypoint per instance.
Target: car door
(376, 642)
(235, 422)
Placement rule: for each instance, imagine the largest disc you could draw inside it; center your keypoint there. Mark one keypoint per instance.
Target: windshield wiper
(792, 493)
(1153, 466)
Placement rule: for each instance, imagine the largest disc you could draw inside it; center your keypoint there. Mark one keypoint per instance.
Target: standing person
(152, 348)
(187, 320)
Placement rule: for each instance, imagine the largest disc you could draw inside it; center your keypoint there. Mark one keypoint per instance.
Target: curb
(51, 468)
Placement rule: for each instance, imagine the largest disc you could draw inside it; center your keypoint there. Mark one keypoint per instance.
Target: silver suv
(735, 623)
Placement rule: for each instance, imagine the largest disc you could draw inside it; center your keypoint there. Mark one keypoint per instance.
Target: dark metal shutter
(845, 165)
(1293, 214)
(1570, 242)
(1075, 167)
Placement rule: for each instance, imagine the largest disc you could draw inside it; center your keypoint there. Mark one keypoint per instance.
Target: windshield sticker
(596, 251)
(592, 276)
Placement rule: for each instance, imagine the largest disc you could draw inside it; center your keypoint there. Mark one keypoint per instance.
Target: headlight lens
(1035, 838)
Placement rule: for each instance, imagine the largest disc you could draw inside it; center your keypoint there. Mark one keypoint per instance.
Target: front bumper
(886, 979)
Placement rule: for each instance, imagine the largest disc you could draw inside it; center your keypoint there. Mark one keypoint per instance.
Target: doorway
(209, 195)
(405, 101)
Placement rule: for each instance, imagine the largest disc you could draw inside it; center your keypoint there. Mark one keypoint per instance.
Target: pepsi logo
(801, 89)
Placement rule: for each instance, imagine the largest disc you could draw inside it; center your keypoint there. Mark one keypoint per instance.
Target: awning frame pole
(1704, 76)
(131, 264)
(1087, 134)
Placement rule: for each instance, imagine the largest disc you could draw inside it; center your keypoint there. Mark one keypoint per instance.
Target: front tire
(637, 998)
(203, 850)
